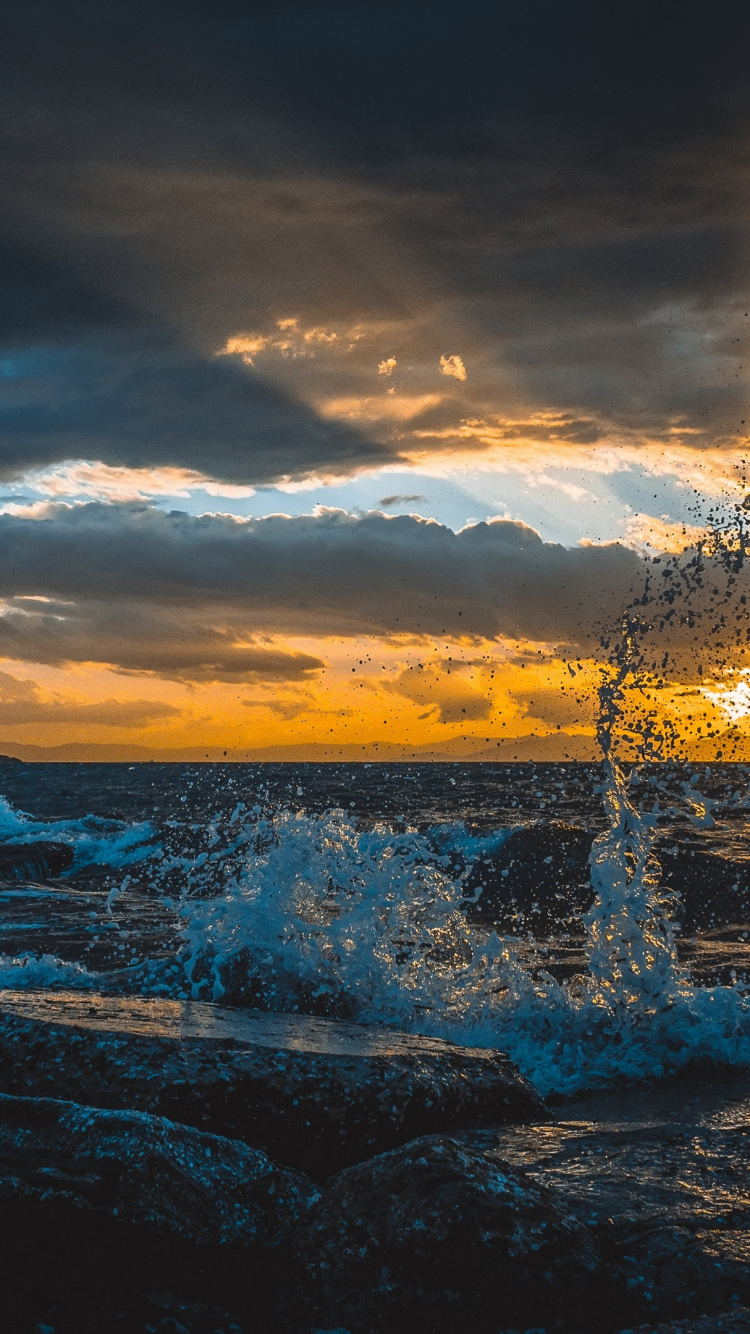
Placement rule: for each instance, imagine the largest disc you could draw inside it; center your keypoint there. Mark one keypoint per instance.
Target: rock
(97, 1310)
(659, 1172)
(147, 1172)
(434, 1237)
(315, 1093)
(735, 1321)
(97, 1208)
(34, 861)
(537, 879)
(664, 1271)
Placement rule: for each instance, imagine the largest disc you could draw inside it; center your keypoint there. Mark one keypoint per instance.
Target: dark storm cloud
(41, 299)
(446, 71)
(174, 594)
(140, 403)
(186, 645)
(560, 185)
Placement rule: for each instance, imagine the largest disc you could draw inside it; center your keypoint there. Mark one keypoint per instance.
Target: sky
(357, 362)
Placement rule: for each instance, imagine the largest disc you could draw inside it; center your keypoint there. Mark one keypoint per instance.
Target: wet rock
(314, 1093)
(664, 1271)
(96, 1206)
(660, 1172)
(147, 1172)
(434, 1237)
(537, 879)
(98, 1311)
(735, 1321)
(34, 861)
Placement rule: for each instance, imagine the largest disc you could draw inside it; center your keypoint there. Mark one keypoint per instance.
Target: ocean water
(433, 898)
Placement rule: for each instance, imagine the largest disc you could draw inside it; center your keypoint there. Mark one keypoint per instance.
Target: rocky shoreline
(315, 1094)
(181, 1168)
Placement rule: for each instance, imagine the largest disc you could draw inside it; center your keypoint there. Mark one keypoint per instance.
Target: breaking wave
(286, 910)
(371, 923)
(95, 841)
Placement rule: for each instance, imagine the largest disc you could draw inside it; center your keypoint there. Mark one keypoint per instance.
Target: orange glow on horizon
(454, 699)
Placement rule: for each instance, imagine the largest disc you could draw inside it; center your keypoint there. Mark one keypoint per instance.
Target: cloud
(581, 238)
(189, 596)
(288, 709)
(136, 401)
(215, 598)
(437, 687)
(561, 706)
(107, 483)
(662, 534)
(453, 366)
(182, 643)
(386, 501)
(22, 703)
(387, 366)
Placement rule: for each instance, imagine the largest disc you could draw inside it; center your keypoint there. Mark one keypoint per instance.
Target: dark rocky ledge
(434, 1237)
(34, 861)
(314, 1093)
(736, 1321)
(163, 1178)
(106, 1215)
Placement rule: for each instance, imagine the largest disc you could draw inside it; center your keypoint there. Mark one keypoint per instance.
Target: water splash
(329, 918)
(371, 923)
(632, 954)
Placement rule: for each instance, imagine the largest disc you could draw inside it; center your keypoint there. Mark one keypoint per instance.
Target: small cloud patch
(453, 366)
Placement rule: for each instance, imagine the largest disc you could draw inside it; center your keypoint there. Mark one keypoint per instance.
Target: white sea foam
(35, 972)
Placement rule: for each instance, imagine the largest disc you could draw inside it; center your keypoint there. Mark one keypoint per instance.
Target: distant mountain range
(561, 746)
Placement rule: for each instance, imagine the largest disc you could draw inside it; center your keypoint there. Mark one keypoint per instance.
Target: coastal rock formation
(315, 1093)
(663, 1270)
(434, 1237)
(145, 1171)
(658, 1172)
(34, 861)
(736, 1321)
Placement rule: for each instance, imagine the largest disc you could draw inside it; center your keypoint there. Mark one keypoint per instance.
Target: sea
(592, 921)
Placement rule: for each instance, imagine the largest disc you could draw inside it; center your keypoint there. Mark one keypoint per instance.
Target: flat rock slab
(315, 1093)
(147, 1172)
